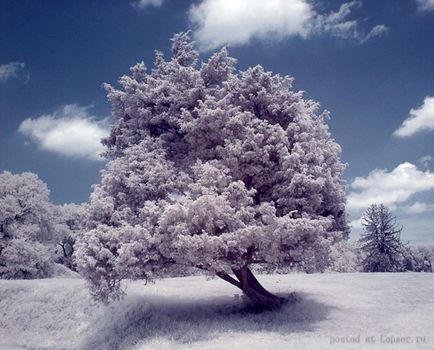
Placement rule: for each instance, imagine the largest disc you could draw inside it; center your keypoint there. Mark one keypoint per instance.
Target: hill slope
(196, 313)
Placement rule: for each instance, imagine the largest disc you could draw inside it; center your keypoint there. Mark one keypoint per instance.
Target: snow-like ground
(329, 311)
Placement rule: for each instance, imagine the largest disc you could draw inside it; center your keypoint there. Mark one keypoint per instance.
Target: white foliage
(70, 221)
(24, 259)
(419, 258)
(345, 257)
(213, 169)
(30, 227)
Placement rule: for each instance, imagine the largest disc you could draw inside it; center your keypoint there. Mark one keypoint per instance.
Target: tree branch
(227, 278)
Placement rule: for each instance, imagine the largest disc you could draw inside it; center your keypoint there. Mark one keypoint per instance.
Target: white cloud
(420, 119)
(425, 5)
(236, 22)
(395, 189)
(425, 161)
(417, 230)
(70, 131)
(390, 188)
(378, 30)
(219, 22)
(417, 208)
(141, 4)
(337, 24)
(356, 224)
(10, 70)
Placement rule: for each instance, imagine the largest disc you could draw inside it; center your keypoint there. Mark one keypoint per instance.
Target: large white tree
(215, 169)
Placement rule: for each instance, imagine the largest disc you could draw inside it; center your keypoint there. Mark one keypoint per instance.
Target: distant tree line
(380, 248)
(37, 238)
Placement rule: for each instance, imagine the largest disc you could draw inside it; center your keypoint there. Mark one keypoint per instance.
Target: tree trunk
(251, 287)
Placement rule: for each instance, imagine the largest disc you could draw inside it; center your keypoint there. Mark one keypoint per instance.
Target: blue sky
(370, 63)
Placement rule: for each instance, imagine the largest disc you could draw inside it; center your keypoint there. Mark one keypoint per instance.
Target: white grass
(195, 313)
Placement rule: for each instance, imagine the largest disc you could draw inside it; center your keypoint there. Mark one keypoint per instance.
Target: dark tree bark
(251, 287)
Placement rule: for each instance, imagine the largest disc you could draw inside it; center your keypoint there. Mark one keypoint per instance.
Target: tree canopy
(211, 168)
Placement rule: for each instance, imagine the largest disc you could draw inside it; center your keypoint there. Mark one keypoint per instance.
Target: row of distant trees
(37, 237)
(380, 248)
(349, 257)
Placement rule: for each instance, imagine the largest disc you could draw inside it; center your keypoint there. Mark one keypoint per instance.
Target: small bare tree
(381, 240)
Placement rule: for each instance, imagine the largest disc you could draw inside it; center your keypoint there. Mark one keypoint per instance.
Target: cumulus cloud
(219, 22)
(141, 4)
(70, 131)
(390, 188)
(425, 5)
(395, 189)
(236, 22)
(421, 119)
(10, 70)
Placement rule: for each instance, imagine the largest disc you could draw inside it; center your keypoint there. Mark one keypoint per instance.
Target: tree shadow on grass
(137, 319)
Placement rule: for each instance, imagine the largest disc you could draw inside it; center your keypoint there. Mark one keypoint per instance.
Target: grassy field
(328, 311)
